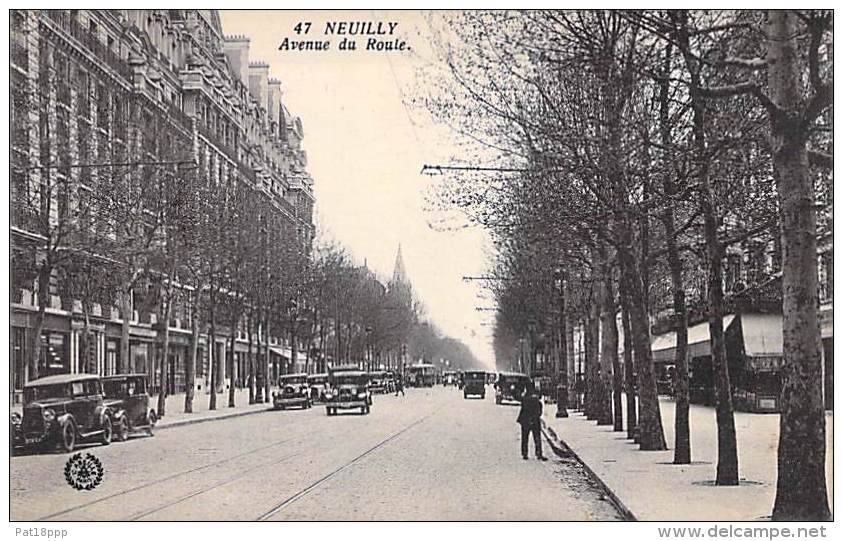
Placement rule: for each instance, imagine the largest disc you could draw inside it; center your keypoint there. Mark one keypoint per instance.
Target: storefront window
(111, 356)
(55, 358)
(140, 357)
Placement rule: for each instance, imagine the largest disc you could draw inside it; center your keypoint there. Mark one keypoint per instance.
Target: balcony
(217, 142)
(88, 42)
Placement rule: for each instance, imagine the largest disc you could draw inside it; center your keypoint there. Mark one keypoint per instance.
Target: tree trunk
(294, 349)
(629, 368)
(609, 349)
(571, 365)
(682, 448)
(727, 446)
(125, 365)
(250, 322)
(44, 272)
(562, 356)
(86, 340)
(651, 432)
(801, 492)
(233, 367)
(592, 346)
(162, 392)
(190, 364)
(267, 385)
(212, 360)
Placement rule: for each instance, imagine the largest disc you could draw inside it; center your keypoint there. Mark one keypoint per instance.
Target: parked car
(510, 387)
(348, 390)
(474, 384)
(317, 383)
(127, 397)
(292, 391)
(377, 382)
(62, 410)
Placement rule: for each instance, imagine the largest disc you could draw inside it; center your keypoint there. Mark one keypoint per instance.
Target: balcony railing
(89, 41)
(216, 141)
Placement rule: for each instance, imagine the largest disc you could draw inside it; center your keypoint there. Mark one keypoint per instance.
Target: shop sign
(764, 364)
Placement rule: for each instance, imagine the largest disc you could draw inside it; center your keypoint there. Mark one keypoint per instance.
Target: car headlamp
(361, 395)
(49, 415)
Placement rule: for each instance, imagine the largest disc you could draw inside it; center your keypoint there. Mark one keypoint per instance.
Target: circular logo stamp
(83, 471)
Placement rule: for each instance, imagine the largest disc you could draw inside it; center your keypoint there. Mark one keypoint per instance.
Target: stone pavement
(175, 415)
(650, 487)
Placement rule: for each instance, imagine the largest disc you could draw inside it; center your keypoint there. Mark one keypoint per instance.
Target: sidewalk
(650, 487)
(175, 415)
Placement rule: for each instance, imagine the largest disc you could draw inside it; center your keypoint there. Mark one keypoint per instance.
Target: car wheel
(483, 396)
(68, 437)
(107, 431)
(151, 419)
(123, 429)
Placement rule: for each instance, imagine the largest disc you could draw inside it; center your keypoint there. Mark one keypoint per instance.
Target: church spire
(399, 274)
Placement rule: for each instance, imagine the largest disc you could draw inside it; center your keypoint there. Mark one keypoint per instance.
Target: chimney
(237, 51)
(259, 82)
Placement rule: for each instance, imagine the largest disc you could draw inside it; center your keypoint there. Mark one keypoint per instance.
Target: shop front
(698, 355)
(756, 341)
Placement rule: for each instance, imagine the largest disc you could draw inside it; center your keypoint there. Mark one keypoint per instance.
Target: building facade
(108, 101)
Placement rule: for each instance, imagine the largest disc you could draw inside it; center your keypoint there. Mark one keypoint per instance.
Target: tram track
(165, 479)
(305, 491)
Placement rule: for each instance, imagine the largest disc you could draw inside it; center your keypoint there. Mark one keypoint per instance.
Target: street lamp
(562, 356)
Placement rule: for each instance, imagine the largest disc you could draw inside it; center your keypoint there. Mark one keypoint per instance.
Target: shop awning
(699, 342)
(762, 335)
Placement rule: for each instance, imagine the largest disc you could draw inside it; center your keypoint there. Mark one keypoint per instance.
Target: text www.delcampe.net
(749, 532)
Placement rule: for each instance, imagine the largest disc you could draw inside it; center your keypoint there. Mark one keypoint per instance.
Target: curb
(185, 422)
(564, 451)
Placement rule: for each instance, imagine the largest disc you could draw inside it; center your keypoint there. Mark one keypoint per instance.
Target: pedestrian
(399, 385)
(529, 419)
(579, 390)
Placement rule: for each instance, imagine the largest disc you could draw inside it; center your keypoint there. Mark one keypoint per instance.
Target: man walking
(528, 418)
(399, 385)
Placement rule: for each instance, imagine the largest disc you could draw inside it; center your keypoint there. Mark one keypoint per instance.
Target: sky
(366, 146)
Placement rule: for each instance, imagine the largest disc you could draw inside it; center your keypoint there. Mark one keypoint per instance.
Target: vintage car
(317, 383)
(127, 397)
(292, 391)
(510, 387)
(377, 382)
(62, 410)
(348, 390)
(474, 384)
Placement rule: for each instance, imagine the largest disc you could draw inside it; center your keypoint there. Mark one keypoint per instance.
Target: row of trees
(615, 156)
(134, 217)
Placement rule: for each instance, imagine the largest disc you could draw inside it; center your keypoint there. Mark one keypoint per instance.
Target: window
(77, 388)
(54, 355)
(19, 357)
